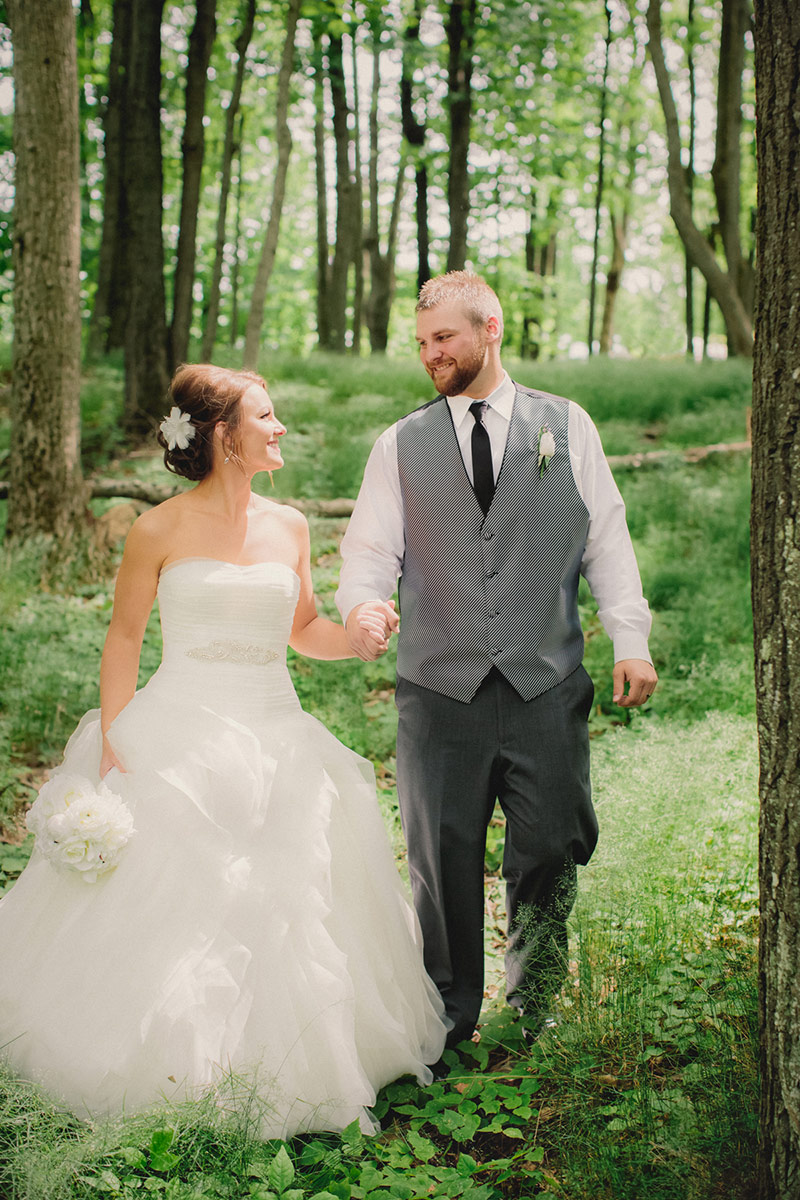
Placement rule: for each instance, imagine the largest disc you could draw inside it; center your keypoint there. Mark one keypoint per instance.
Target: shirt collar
(501, 400)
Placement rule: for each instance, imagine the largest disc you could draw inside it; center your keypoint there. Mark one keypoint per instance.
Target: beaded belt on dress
(234, 652)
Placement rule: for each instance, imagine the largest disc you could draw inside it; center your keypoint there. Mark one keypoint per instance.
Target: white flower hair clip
(177, 429)
(547, 448)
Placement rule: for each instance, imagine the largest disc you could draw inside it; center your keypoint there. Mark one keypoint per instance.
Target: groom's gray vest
(497, 591)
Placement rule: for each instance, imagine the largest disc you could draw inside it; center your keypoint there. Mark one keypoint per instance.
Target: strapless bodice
(225, 628)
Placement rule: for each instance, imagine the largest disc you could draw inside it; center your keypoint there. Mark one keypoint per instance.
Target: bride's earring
(271, 480)
(227, 458)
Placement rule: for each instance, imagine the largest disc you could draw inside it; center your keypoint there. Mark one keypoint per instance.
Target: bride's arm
(313, 635)
(134, 594)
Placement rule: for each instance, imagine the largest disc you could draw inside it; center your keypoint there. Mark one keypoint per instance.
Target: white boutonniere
(80, 826)
(547, 448)
(177, 429)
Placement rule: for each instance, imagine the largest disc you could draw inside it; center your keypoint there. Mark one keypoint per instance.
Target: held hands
(369, 627)
(641, 679)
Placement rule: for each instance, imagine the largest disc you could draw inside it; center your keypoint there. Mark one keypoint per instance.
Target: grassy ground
(647, 1086)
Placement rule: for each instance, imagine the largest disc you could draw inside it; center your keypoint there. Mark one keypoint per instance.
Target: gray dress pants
(453, 761)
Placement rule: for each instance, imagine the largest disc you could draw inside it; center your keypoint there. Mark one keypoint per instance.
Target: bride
(253, 925)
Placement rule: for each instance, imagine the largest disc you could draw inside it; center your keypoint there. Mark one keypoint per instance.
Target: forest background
(269, 186)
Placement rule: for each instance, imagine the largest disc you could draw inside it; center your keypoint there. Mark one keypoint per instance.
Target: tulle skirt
(255, 928)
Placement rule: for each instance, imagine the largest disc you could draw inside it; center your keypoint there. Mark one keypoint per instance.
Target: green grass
(647, 1088)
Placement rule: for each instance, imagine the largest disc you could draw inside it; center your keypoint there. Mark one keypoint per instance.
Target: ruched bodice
(225, 628)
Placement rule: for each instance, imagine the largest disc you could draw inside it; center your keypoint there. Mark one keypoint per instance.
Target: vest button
(488, 535)
(491, 574)
(493, 652)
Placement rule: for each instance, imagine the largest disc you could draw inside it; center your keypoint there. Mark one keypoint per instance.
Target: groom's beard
(454, 379)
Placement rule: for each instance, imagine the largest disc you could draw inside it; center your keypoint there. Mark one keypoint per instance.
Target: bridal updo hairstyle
(207, 395)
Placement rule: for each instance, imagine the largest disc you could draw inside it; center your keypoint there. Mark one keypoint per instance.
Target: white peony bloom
(177, 429)
(80, 826)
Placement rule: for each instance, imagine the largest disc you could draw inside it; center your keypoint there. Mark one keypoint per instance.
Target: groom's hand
(640, 679)
(369, 627)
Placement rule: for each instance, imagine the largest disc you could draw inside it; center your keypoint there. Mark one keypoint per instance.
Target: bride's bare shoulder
(158, 527)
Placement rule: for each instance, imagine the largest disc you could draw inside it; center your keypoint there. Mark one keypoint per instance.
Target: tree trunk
(688, 267)
(381, 266)
(619, 229)
(201, 43)
(359, 265)
(598, 199)
(238, 253)
(414, 133)
(726, 170)
(47, 494)
(107, 327)
(229, 149)
(146, 367)
(323, 264)
(283, 137)
(460, 25)
(722, 286)
(346, 214)
(775, 529)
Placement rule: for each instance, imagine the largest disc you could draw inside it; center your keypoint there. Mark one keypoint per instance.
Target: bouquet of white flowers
(79, 825)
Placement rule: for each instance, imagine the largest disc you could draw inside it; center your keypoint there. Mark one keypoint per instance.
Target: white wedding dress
(256, 928)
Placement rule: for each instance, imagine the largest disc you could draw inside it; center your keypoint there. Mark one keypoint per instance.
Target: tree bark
(414, 132)
(346, 214)
(460, 25)
(619, 229)
(321, 180)
(229, 149)
(726, 171)
(381, 266)
(688, 267)
(146, 367)
(775, 529)
(722, 286)
(46, 493)
(598, 199)
(107, 327)
(359, 264)
(283, 137)
(201, 43)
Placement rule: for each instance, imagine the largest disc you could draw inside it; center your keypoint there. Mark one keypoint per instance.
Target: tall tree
(107, 326)
(146, 368)
(348, 218)
(283, 139)
(723, 285)
(46, 491)
(414, 132)
(726, 171)
(775, 528)
(321, 180)
(460, 27)
(688, 266)
(201, 42)
(228, 152)
(381, 264)
(601, 166)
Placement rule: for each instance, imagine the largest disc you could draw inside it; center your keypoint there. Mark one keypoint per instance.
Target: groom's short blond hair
(462, 287)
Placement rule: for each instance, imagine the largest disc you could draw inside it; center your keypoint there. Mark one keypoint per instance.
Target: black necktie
(482, 473)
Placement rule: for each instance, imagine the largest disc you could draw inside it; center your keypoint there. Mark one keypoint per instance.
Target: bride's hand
(369, 627)
(109, 760)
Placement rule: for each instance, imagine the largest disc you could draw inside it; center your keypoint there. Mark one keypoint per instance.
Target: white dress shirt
(373, 547)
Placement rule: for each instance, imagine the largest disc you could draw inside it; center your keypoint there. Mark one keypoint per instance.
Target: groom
(488, 503)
